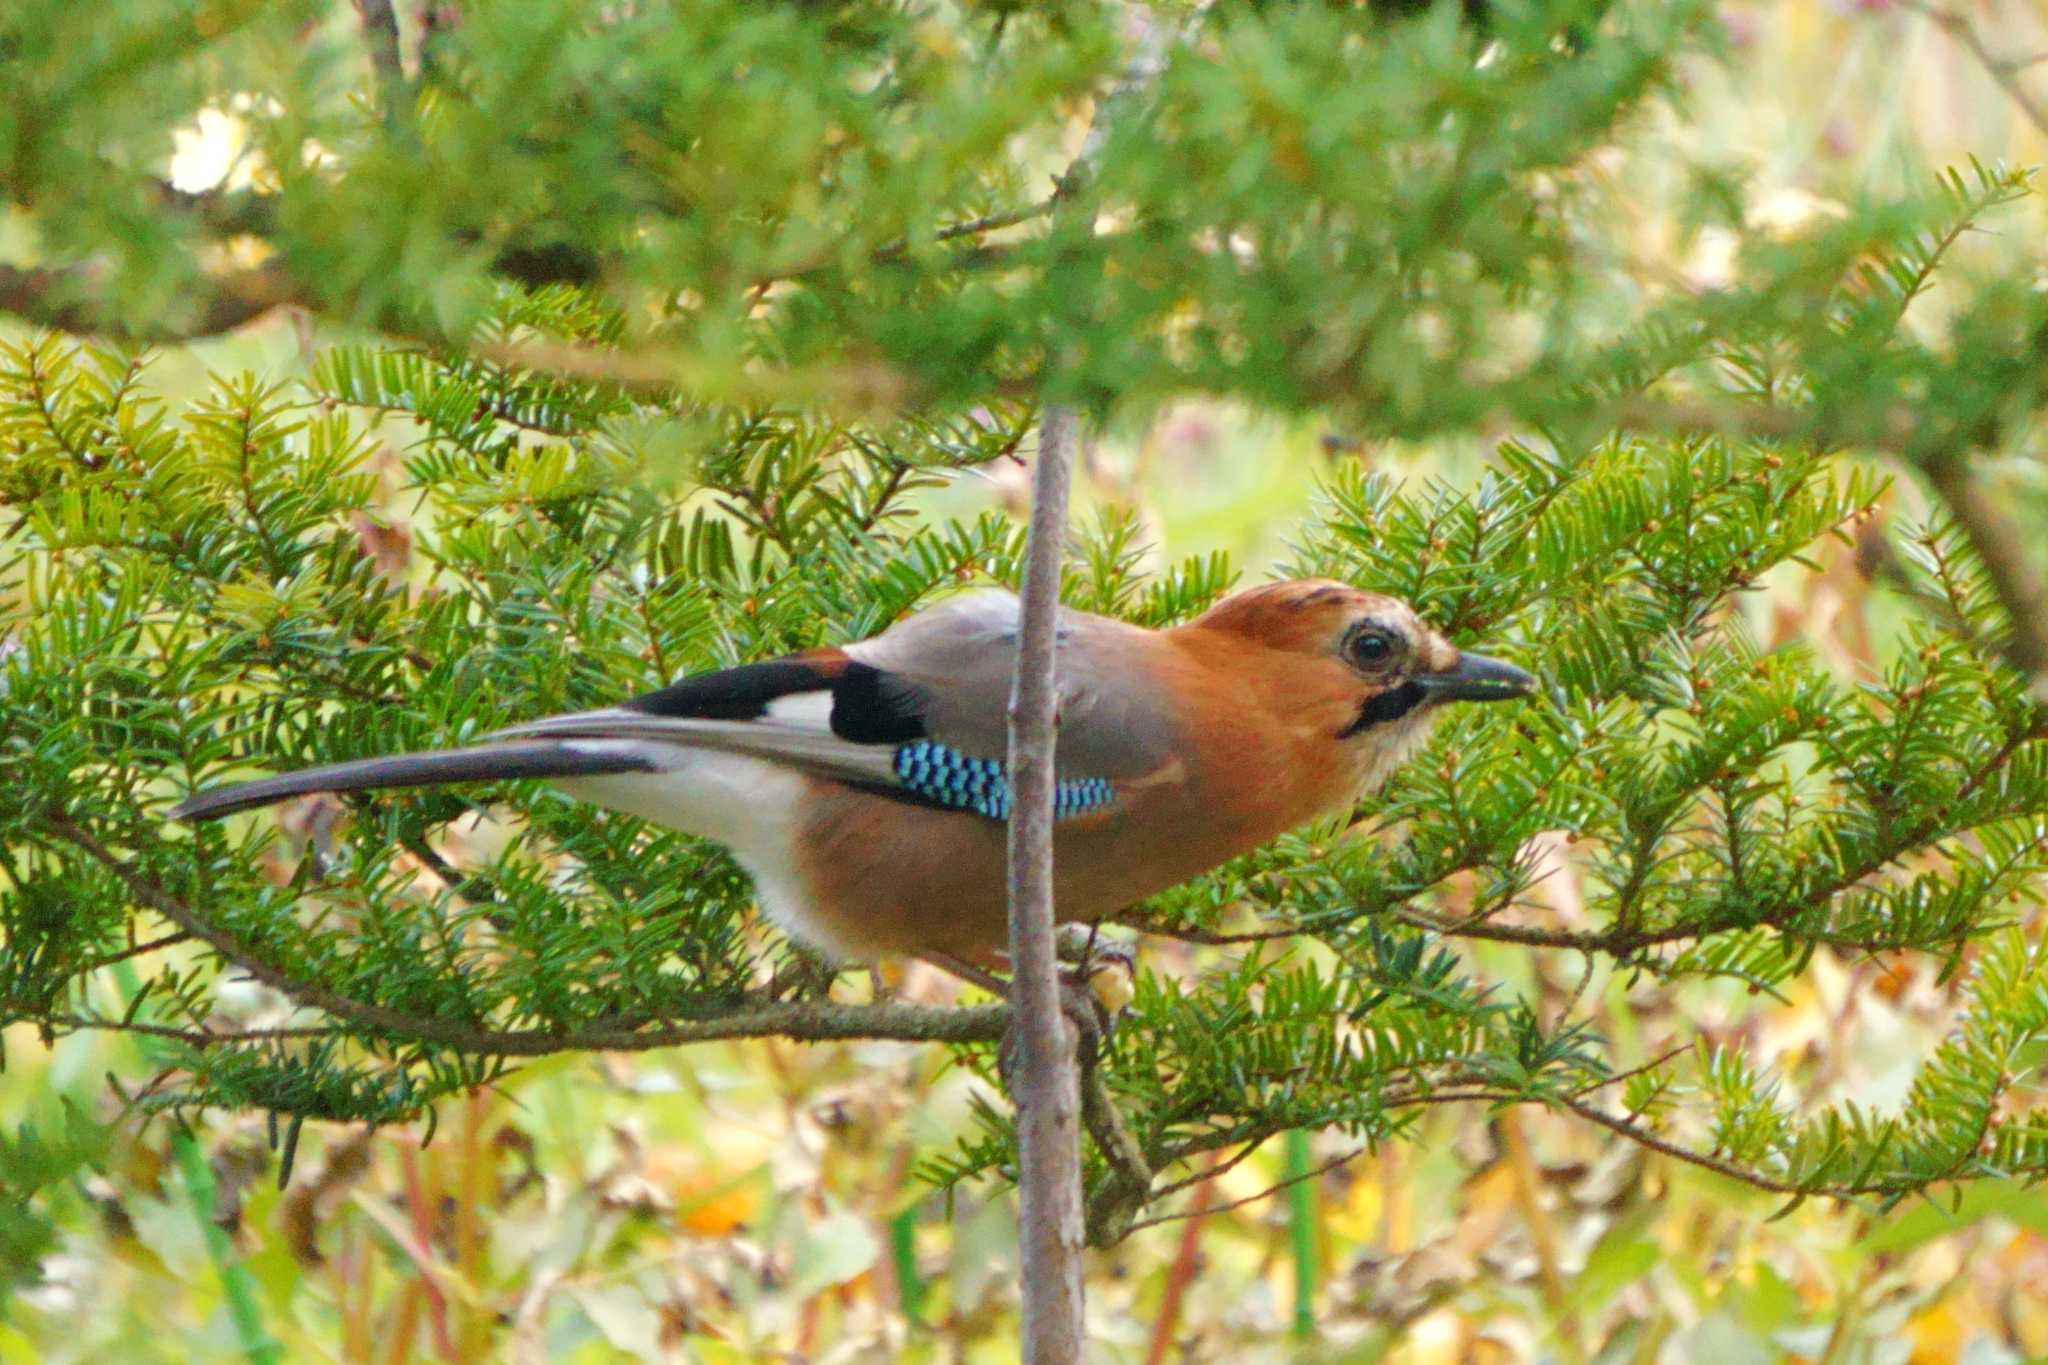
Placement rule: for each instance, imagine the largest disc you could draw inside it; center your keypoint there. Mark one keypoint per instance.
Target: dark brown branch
(1187, 933)
(1676, 1151)
(193, 1037)
(1312, 1173)
(134, 950)
(63, 299)
(380, 31)
(1620, 1126)
(801, 1020)
(1214, 1169)
(2008, 560)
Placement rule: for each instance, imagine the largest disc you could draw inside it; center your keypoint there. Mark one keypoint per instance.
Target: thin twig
(1323, 1169)
(1213, 1170)
(2002, 70)
(136, 950)
(1210, 938)
(1677, 1152)
(192, 1037)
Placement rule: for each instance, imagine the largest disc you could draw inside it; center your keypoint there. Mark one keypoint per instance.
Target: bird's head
(1362, 668)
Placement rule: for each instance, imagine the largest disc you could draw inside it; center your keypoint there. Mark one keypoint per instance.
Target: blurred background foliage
(507, 357)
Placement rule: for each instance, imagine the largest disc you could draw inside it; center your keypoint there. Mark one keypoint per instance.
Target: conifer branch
(801, 1020)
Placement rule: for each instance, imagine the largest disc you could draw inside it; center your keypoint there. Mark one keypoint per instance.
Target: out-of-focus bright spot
(1712, 262)
(1789, 211)
(247, 102)
(205, 153)
(243, 251)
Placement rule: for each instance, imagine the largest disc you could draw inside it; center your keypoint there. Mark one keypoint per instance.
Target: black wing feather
(741, 693)
(868, 705)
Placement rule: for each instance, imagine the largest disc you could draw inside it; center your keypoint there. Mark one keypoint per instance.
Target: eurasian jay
(863, 788)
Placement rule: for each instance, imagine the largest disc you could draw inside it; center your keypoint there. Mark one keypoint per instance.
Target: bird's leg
(969, 972)
(1093, 991)
(1073, 942)
(1090, 1015)
(803, 975)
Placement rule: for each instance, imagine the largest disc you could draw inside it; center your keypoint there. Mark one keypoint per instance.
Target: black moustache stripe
(1387, 706)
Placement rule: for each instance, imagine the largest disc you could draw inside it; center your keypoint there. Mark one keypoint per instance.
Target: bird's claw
(1091, 1023)
(1094, 988)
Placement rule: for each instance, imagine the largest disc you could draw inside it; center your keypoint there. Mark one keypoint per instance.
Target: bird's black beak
(1477, 678)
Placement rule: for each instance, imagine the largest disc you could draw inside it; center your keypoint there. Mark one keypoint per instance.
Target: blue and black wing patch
(869, 707)
(947, 778)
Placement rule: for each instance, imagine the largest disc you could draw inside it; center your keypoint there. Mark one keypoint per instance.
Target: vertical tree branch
(1046, 1081)
(380, 29)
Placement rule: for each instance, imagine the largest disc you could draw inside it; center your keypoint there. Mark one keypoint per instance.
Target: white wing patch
(803, 710)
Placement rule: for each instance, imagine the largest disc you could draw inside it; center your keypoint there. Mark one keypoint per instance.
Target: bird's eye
(1371, 648)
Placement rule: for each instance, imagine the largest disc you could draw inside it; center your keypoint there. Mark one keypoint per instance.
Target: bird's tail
(484, 763)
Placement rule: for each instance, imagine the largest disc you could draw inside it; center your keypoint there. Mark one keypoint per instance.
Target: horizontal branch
(1210, 938)
(801, 1020)
(191, 1037)
(63, 299)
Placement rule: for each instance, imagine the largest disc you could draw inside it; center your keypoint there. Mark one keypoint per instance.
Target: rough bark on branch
(1046, 1080)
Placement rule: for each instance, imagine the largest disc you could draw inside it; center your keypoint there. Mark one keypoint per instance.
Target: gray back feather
(956, 660)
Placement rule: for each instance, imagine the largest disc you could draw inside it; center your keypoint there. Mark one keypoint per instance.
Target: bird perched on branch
(863, 787)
